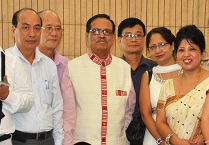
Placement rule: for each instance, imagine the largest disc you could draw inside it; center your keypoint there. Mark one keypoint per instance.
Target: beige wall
(74, 14)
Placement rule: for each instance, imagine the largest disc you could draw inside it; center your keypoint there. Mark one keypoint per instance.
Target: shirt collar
(38, 54)
(99, 61)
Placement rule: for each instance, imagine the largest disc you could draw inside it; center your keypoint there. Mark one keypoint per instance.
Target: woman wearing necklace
(159, 42)
(181, 99)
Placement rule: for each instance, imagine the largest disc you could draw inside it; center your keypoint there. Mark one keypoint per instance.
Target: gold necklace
(181, 84)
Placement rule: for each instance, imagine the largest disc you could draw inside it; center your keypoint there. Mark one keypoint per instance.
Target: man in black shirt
(131, 38)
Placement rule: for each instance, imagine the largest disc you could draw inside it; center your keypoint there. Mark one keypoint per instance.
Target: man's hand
(4, 90)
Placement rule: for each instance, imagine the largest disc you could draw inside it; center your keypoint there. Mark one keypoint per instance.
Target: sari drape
(183, 112)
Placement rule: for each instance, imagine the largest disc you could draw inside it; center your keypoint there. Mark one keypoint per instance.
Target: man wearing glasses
(43, 123)
(102, 87)
(131, 33)
(51, 35)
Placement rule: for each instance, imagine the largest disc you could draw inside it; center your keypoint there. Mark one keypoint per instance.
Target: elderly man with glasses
(102, 87)
(51, 35)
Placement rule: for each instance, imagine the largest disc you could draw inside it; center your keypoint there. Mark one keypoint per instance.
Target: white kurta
(86, 80)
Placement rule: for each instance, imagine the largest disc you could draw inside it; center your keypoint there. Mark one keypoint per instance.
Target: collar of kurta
(99, 61)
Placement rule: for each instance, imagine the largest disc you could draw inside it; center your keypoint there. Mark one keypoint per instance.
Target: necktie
(2, 76)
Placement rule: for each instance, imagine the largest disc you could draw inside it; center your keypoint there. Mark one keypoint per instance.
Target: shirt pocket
(47, 92)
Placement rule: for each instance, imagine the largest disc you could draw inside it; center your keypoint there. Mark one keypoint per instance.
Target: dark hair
(164, 32)
(88, 24)
(130, 22)
(192, 34)
(16, 14)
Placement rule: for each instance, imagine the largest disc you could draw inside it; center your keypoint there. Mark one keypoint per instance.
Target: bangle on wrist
(159, 141)
(167, 139)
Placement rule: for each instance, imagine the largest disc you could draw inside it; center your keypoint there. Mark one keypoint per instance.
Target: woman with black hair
(160, 44)
(181, 99)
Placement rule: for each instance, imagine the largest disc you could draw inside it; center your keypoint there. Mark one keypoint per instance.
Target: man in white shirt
(16, 98)
(43, 123)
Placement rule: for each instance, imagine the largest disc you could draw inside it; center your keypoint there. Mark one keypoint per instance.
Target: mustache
(101, 40)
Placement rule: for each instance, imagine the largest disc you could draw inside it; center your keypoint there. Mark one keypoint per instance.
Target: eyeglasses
(159, 45)
(129, 36)
(106, 32)
(49, 29)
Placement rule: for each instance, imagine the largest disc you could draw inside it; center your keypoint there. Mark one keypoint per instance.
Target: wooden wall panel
(138, 9)
(132, 8)
(22, 4)
(34, 5)
(155, 13)
(45, 4)
(161, 13)
(201, 15)
(89, 7)
(83, 39)
(144, 12)
(16, 5)
(74, 14)
(77, 27)
(101, 6)
(149, 14)
(190, 12)
(170, 20)
(107, 7)
(184, 12)
(95, 8)
(169, 12)
(178, 10)
(116, 14)
(124, 11)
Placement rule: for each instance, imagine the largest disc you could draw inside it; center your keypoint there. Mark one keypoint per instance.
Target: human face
(133, 45)
(51, 33)
(28, 30)
(100, 44)
(188, 55)
(160, 50)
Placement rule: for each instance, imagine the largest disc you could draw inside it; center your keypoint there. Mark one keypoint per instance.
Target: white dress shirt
(20, 98)
(47, 113)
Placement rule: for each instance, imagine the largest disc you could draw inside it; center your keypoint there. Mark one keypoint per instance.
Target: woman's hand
(193, 142)
(198, 140)
(175, 140)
